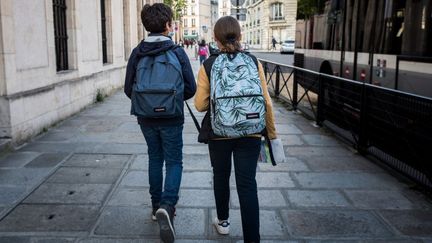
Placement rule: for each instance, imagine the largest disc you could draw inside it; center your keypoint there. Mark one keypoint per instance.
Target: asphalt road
(275, 56)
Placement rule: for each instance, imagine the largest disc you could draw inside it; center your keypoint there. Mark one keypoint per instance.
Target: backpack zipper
(239, 96)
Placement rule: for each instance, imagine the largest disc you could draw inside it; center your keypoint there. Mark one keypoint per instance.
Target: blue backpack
(159, 86)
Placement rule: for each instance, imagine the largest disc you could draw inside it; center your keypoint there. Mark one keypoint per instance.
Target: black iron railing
(393, 126)
(60, 35)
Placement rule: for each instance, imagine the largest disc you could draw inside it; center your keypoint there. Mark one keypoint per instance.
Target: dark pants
(245, 152)
(164, 144)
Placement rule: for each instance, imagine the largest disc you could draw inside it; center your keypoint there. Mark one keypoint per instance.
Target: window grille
(60, 35)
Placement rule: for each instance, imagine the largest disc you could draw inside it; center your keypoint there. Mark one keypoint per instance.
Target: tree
(178, 6)
(307, 8)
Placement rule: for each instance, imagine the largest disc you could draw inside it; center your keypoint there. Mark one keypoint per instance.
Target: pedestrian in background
(245, 150)
(274, 43)
(203, 51)
(163, 135)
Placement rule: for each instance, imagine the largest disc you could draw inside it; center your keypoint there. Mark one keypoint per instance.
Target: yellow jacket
(202, 97)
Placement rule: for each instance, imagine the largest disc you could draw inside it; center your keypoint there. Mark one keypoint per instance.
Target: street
(287, 59)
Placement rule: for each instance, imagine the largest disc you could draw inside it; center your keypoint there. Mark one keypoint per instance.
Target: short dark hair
(154, 17)
(228, 32)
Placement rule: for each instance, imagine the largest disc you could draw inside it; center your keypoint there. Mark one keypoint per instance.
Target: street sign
(239, 17)
(237, 2)
(240, 11)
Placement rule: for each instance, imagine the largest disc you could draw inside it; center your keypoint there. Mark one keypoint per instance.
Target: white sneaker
(222, 226)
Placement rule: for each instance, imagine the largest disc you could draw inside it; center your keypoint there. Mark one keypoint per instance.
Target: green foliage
(308, 8)
(177, 6)
(99, 96)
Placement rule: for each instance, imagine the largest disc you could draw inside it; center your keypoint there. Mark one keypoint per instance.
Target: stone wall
(33, 95)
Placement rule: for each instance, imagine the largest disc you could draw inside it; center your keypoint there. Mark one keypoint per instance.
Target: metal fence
(393, 126)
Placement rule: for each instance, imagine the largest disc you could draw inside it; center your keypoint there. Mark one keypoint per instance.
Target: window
(185, 32)
(193, 32)
(60, 35)
(193, 22)
(192, 1)
(224, 4)
(192, 11)
(185, 23)
(276, 11)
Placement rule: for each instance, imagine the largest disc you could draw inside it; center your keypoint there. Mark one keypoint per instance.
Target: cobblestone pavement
(85, 180)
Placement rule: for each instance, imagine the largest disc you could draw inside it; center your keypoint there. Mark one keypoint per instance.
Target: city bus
(382, 42)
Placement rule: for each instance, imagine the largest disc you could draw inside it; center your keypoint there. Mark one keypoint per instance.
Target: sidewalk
(85, 180)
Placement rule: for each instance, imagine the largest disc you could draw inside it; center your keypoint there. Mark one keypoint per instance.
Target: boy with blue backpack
(158, 79)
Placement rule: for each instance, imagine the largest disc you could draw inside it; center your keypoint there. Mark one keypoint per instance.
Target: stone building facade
(57, 55)
(268, 18)
(197, 19)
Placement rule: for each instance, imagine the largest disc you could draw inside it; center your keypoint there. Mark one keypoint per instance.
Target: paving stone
(266, 198)
(116, 240)
(290, 164)
(274, 179)
(415, 222)
(319, 140)
(329, 223)
(131, 197)
(54, 136)
(271, 224)
(127, 137)
(78, 147)
(48, 218)
(69, 194)
(47, 160)
(196, 198)
(193, 162)
(9, 195)
(321, 198)
(135, 178)
(25, 239)
(287, 129)
(120, 148)
(341, 163)
(140, 162)
(317, 151)
(197, 179)
(22, 176)
(345, 180)
(129, 127)
(17, 159)
(190, 222)
(379, 199)
(290, 140)
(85, 175)
(127, 221)
(199, 241)
(394, 240)
(195, 149)
(97, 160)
(101, 125)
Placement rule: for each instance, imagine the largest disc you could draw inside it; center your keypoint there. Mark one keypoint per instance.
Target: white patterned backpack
(237, 103)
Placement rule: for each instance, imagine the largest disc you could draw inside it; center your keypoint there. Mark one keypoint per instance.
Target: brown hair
(154, 17)
(227, 31)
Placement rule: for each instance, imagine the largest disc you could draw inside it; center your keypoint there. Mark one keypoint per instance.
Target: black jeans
(245, 152)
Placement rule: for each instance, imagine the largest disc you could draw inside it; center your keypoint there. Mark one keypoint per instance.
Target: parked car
(213, 48)
(287, 46)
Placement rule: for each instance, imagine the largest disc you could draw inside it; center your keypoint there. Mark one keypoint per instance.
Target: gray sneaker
(165, 217)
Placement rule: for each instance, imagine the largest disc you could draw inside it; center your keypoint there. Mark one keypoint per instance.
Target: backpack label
(238, 105)
(252, 116)
(159, 109)
(158, 90)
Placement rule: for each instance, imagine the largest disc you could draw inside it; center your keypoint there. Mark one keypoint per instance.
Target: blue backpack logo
(158, 90)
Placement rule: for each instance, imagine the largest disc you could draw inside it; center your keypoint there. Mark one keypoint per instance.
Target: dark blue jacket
(152, 45)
